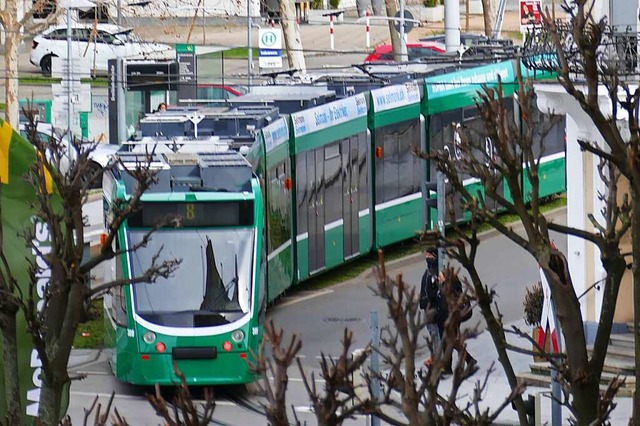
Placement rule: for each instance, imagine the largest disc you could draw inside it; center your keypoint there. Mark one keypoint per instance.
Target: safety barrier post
(368, 30)
(331, 31)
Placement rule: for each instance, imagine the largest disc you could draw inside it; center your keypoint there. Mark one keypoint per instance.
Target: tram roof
(196, 169)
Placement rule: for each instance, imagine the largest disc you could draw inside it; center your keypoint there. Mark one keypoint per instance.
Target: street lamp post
(69, 75)
(403, 41)
(71, 4)
(249, 47)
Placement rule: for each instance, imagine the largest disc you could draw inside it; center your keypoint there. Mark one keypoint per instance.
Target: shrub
(430, 3)
(334, 4)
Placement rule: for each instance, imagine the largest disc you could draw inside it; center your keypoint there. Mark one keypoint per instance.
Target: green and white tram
(205, 318)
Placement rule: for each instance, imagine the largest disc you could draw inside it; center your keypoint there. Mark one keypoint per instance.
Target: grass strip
(90, 334)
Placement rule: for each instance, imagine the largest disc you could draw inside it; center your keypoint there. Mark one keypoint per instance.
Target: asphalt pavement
(319, 318)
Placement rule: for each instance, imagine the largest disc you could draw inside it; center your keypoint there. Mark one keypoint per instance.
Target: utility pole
(249, 48)
(403, 40)
(69, 77)
(452, 25)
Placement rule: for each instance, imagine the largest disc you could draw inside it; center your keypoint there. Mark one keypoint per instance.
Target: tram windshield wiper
(215, 295)
(216, 298)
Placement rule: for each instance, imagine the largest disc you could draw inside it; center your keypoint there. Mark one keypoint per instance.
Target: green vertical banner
(17, 198)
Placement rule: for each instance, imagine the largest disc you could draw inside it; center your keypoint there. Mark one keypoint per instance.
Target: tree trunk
(12, 42)
(395, 37)
(635, 270)
(291, 34)
(51, 401)
(615, 266)
(584, 387)
(10, 367)
(489, 13)
(498, 336)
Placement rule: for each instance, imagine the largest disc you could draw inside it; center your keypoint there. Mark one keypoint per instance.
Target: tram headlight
(237, 336)
(149, 337)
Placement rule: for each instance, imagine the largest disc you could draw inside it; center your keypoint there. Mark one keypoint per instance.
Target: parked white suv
(99, 157)
(93, 48)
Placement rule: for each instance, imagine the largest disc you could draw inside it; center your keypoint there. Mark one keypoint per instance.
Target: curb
(94, 196)
(95, 357)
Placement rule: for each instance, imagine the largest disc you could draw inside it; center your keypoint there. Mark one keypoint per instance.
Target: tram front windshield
(212, 285)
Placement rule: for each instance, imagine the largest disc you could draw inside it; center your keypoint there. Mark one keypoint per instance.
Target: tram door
(315, 212)
(350, 204)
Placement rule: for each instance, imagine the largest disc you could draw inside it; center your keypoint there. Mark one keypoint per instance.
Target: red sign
(529, 14)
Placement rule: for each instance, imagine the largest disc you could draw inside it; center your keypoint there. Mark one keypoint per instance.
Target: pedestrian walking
(429, 298)
(432, 298)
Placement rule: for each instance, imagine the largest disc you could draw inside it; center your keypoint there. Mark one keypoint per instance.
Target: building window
(100, 13)
(44, 9)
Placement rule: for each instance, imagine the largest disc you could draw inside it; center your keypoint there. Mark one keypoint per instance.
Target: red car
(415, 50)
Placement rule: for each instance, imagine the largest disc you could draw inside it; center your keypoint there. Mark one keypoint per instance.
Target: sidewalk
(483, 349)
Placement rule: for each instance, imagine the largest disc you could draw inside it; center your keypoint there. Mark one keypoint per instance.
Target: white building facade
(583, 181)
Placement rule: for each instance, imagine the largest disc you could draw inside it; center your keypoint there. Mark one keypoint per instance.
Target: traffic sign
(270, 38)
(270, 48)
(530, 15)
(408, 25)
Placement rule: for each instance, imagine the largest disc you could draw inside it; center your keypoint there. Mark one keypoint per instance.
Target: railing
(617, 52)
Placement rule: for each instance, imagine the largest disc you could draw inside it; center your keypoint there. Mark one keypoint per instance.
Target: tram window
(469, 113)
(441, 132)
(391, 167)
(408, 163)
(278, 206)
(302, 196)
(397, 172)
(332, 182)
(363, 169)
(118, 307)
(435, 128)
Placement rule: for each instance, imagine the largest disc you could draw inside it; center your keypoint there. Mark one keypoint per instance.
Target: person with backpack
(432, 297)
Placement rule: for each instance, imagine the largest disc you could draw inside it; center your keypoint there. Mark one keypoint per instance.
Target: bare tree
(58, 293)
(282, 356)
(420, 399)
(341, 398)
(516, 154)
(587, 48)
(183, 412)
(16, 28)
(409, 393)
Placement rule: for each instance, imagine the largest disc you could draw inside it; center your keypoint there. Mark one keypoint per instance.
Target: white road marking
(137, 398)
(298, 379)
(94, 373)
(303, 298)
